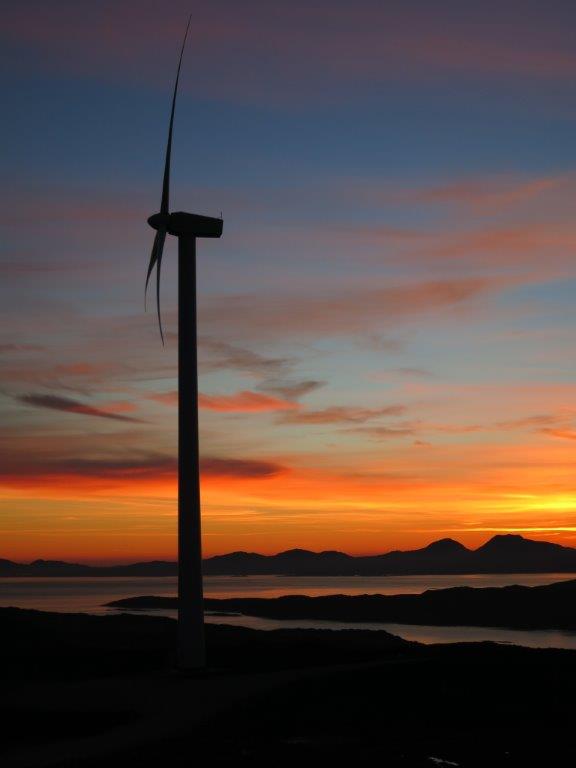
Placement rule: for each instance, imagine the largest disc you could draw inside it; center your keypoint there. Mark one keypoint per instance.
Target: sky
(387, 326)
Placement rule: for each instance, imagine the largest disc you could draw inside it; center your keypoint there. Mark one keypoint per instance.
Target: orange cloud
(77, 369)
(167, 398)
(486, 193)
(120, 406)
(245, 402)
(565, 434)
(517, 243)
(545, 247)
(481, 194)
(78, 376)
(239, 468)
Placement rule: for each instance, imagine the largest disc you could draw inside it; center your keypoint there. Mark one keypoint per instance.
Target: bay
(89, 594)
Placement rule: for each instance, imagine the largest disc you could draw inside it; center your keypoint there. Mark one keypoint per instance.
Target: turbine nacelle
(182, 224)
(187, 226)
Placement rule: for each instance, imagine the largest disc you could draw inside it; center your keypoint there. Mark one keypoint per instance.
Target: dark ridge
(516, 607)
(122, 644)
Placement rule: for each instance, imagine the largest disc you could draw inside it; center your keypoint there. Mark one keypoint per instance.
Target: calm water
(89, 595)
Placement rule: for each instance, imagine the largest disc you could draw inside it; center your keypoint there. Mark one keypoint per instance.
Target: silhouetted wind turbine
(186, 227)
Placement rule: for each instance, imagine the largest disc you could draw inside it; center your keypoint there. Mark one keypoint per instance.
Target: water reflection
(89, 594)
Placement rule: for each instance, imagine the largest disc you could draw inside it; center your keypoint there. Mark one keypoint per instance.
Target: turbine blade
(158, 267)
(156, 261)
(152, 263)
(164, 205)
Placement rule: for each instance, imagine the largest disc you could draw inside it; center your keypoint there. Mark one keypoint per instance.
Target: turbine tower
(187, 227)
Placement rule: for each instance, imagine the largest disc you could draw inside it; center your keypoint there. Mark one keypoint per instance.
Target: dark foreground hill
(501, 554)
(545, 607)
(86, 691)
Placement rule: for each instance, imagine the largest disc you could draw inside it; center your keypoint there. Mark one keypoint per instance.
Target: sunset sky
(388, 325)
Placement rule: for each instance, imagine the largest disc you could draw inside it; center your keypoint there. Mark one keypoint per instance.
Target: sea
(90, 595)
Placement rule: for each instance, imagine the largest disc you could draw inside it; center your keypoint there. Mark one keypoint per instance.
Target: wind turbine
(186, 227)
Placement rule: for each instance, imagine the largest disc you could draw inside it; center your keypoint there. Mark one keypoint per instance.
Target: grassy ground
(90, 691)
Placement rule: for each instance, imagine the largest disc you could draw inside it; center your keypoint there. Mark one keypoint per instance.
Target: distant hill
(501, 554)
(53, 568)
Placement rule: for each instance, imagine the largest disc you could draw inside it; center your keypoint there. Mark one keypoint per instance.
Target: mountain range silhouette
(503, 553)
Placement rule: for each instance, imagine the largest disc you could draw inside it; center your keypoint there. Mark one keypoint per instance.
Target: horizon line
(111, 564)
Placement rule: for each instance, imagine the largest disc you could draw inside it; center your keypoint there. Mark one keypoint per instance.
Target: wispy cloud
(385, 433)
(166, 398)
(244, 402)
(7, 348)
(134, 467)
(481, 194)
(563, 433)
(216, 354)
(291, 390)
(553, 425)
(248, 468)
(339, 414)
(539, 420)
(68, 405)
(487, 194)
(419, 373)
(345, 312)
(131, 468)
